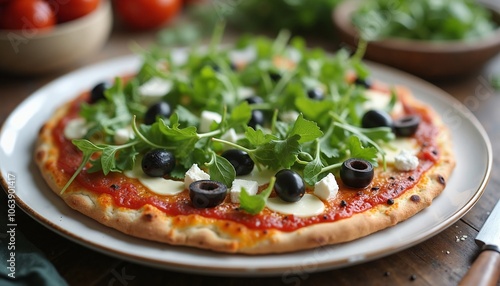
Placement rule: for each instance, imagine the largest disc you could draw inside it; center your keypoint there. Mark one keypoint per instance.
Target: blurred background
(433, 39)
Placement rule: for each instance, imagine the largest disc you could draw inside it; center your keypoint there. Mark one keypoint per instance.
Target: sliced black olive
(376, 118)
(289, 186)
(356, 173)
(161, 109)
(217, 68)
(275, 76)
(240, 160)
(316, 94)
(364, 82)
(97, 92)
(254, 99)
(207, 193)
(158, 163)
(256, 119)
(406, 126)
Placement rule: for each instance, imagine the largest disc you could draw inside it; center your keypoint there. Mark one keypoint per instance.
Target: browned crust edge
(150, 223)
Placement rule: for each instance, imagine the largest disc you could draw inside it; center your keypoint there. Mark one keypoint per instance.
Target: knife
(486, 268)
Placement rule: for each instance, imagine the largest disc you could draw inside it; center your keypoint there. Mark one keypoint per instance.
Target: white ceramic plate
(19, 132)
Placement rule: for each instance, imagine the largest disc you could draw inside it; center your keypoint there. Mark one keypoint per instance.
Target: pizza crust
(151, 223)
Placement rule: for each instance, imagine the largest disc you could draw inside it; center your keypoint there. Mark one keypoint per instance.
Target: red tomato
(27, 14)
(146, 14)
(68, 10)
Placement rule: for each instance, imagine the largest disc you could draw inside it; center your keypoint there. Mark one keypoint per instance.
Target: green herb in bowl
(435, 20)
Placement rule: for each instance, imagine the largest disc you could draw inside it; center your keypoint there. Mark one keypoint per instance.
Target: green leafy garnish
(256, 203)
(432, 20)
(308, 136)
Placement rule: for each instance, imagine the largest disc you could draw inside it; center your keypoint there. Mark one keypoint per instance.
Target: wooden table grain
(440, 260)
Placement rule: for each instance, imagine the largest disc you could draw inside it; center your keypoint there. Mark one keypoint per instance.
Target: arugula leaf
(278, 153)
(358, 151)
(240, 115)
(257, 137)
(108, 162)
(256, 203)
(307, 130)
(314, 168)
(221, 170)
(88, 149)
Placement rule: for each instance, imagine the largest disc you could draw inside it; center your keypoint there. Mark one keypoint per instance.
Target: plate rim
(267, 271)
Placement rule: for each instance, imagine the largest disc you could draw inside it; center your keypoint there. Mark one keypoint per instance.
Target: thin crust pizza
(263, 148)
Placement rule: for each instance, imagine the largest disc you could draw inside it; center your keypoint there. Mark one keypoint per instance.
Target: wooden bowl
(427, 59)
(25, 52)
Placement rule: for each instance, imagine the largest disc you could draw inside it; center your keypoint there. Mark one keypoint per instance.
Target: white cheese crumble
(289, 116)
(195, 174)
(230, 136)
(393, 148)
(244, 92)
(326, 188)
(250, 186)
(207, 117)
(406, 161)
(122, 135)
(308, 206)
(76, 128)
(154, 89)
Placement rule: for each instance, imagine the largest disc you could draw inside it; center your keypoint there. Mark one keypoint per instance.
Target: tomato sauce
(129, 193)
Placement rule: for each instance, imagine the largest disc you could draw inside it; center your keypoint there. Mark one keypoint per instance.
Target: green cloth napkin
(31, 266)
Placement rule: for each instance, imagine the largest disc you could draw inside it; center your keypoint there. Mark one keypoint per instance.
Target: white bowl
(33, 52)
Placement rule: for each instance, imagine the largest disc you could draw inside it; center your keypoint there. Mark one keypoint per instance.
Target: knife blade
(486, 268)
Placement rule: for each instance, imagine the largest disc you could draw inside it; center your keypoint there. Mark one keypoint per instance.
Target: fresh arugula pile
(435, 20)
(316, 142)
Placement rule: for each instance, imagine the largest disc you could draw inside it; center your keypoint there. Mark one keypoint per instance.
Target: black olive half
(254, 99)
(97, 92)
(161, 109)
(256, 119)
(316, 94)
(240, 160)
(364, 82)
(356, 173)
(217, 68)
(207, 193)
(158, 163)
(406, 126)
(289, 186)
(376, 118)
(275, 76)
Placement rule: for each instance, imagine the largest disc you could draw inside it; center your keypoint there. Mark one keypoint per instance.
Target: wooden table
(440, 260)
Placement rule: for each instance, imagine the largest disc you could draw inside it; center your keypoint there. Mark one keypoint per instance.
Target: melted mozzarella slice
(261, 177)
(161, 186)
(379, 100)
(76, 128)
(393, 148)
(309, 205)
(157, 185)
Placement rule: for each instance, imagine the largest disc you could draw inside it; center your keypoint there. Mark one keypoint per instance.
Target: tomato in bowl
(27, 48)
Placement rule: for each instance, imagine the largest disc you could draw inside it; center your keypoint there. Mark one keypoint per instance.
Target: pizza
(264, 147)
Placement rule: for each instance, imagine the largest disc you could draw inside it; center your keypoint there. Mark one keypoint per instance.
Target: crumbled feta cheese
(154, 89)
(76, 128)
(245, 92)
(230, 136)
(207, 117)
(243, 55)
(250, 186)
(122, 135)
(327, 187)
(289, 116)
(195, 174)
(405, 161)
